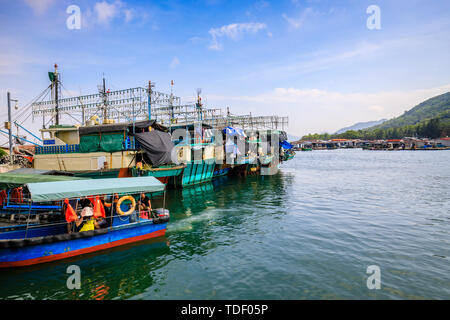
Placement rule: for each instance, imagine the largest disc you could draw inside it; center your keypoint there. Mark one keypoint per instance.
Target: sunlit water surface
(309, 232)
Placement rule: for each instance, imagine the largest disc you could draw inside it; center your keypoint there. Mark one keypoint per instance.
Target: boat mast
(199, 105)
(105, 101)
(150, 85)
(56, 89)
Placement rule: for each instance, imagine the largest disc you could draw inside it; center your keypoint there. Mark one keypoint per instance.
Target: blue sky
(312, 60)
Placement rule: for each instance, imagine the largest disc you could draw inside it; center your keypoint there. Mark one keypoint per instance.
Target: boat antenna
(171, 103)
(199, 104)
(103, 93)
(53, 76)
(149, 91)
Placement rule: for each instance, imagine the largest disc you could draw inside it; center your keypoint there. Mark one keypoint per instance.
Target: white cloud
(315, 61)
(107, 11)
(315, 110)
(377, 108)
(175, 62)
(299, 21)
(104, 12)
(39, 6)
(233, 31)
(129, 14)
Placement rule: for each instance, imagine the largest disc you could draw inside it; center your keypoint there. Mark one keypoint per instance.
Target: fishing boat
(34, 243)
(130, 133)
(108, 150)
(115, 133)
(196, 151)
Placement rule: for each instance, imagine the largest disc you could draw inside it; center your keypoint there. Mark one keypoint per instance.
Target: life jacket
(16, 195)
(70, 213)
(91, 199)
(99, 210)
(3, 196)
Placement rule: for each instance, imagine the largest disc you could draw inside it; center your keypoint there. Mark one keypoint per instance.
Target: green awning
(11, 180)
(51, 191)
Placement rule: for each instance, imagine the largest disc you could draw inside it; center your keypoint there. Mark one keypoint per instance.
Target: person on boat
(144, 203)
(85, 202)
(87, 221)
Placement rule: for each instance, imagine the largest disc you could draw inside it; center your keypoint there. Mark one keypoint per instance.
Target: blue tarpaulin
(234, 131)
(286, 145)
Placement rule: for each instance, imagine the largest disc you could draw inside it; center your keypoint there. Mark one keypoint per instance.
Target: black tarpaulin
(157, 145)
(143, 125)
(97, 129)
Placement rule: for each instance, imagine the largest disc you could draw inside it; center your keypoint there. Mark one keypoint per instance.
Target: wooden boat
(29, 244)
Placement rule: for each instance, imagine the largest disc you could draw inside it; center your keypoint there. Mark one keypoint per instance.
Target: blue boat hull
(29, 254)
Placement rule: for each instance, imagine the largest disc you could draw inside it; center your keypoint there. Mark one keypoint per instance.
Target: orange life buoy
(119, 210)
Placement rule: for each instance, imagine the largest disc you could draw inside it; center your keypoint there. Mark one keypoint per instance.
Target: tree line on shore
(429, 119)
(432, 129)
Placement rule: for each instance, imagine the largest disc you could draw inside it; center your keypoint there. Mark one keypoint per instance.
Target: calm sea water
(309, 232)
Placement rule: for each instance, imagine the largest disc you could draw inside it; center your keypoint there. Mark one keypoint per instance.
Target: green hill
(430, 119)
(436, 107)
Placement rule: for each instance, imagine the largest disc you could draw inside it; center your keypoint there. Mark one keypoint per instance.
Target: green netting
(90, 143)
(111, 142)
(104, 142)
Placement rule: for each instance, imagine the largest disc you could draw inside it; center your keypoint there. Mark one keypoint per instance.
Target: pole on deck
(8, 95)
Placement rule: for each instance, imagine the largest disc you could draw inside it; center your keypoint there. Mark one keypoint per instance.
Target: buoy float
(119, 210)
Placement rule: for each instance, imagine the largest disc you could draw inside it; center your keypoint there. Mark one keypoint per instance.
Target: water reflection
(200, 215)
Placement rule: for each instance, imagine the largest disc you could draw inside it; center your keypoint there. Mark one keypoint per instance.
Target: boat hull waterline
(46, 252)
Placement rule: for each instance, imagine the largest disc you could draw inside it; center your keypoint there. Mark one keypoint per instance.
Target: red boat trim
(68, 254)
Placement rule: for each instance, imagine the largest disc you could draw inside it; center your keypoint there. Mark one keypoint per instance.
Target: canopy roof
(47, 172)
(11, 180)
(51, 191)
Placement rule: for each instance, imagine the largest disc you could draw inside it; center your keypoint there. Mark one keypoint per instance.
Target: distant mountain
(361, 125)
(429, 119)
(292, 138)
(436, 107)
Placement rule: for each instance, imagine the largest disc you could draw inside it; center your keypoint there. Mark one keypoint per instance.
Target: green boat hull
(194, 173)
